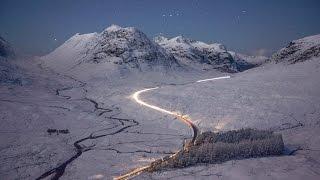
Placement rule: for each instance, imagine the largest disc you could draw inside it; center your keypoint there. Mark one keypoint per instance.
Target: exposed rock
(10, 73)
(131, 46)
(5, 49)
(115, 47)
(215, 55)
(299, 50)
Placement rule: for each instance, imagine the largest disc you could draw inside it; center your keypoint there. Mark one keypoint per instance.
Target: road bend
(184, 118)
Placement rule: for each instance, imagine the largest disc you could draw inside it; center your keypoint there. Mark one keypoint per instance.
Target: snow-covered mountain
(122, 50)
(207, 56)
(299, 50)
(5, 49)
(115, 48)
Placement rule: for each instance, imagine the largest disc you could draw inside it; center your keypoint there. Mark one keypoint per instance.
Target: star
(172, 14)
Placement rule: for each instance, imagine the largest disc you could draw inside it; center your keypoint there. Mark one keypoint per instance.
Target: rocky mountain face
(131, 46)
(9, 72)
(214, 55)
(5, 49)
(123, 47)
(131, 49)
(299, 50)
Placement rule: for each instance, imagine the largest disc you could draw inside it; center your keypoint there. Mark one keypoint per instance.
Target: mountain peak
(178, 39)
(115, 47)
(182, 39)
(113, 27)
(199, 54)
(159, 39)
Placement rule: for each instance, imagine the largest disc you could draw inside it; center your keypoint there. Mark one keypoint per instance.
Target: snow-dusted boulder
(189, 51)
(299, 50)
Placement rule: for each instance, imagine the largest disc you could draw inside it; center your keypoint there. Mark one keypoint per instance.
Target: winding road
(184, 118)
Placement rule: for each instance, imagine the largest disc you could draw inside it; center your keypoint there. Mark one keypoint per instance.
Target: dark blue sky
(248, 26)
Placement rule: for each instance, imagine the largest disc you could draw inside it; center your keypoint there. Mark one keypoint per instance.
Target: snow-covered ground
(111, 134)
(278, 97)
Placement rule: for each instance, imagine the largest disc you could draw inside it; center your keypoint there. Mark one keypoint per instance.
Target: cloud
(261, 52)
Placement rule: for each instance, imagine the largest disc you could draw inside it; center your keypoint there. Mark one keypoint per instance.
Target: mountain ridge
(299, 50)
(129, 48)
(214, 55)
(125, 47)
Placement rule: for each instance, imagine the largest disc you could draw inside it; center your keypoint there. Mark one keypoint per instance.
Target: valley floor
(115, 134)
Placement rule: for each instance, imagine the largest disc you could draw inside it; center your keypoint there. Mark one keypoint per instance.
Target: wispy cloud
(261, 52)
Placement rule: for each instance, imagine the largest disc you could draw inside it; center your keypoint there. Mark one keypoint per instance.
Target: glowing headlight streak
(135, 96)
(181, 117)
(212, 79)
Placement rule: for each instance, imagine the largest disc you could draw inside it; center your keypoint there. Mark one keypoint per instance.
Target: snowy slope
(299, 50)
(274, 96)
(114, 49)
(207, 56)
(115, 134)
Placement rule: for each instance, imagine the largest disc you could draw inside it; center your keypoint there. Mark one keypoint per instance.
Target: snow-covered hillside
(101, 132)
(299, 50)
(274, 96)
(114, 49)
(207, 56)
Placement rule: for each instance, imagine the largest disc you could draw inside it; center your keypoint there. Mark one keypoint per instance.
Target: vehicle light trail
(183, 118)
(212, 79)
(135, 96)
(179, 116)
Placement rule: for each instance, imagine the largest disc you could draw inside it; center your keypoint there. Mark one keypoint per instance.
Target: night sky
(248, 26)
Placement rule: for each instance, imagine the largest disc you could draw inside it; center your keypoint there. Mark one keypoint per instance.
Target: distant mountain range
(209, 56)
(128, 49)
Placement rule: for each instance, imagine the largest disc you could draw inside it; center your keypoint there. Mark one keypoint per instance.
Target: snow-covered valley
(86, 85)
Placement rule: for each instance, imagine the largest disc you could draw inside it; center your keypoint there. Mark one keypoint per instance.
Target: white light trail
(135, 96)
(212, 79)
(183, 118)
